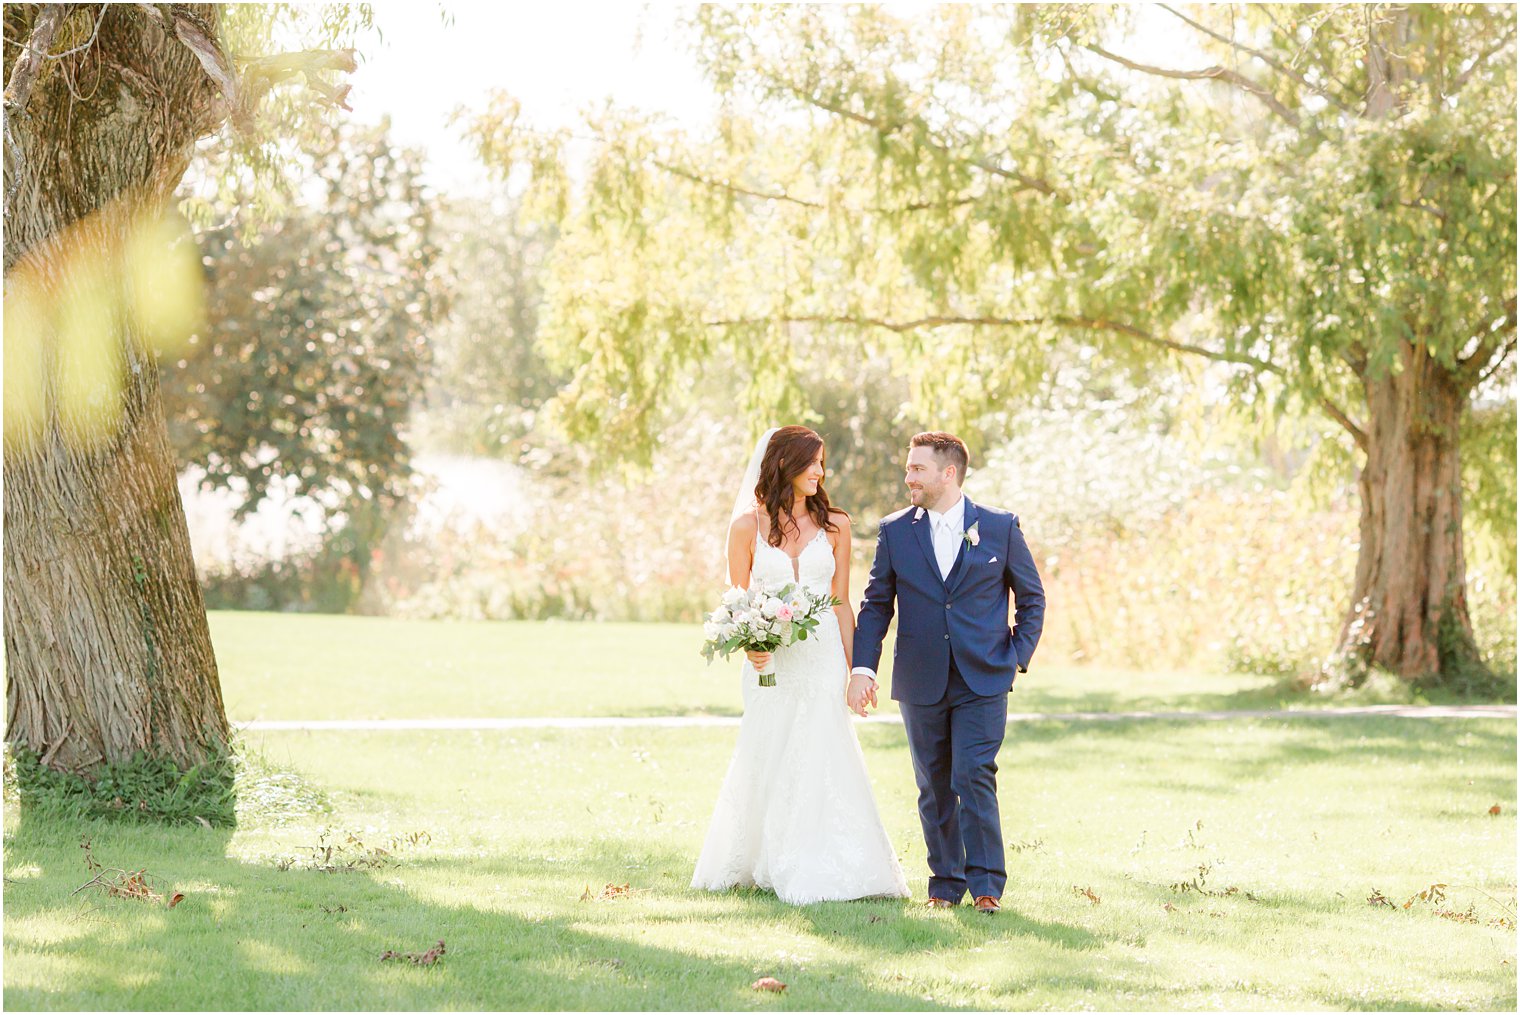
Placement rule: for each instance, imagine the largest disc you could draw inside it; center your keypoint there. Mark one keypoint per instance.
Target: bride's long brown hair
(790, 451)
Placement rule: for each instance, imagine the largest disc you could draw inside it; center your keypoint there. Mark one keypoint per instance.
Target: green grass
(1305, 818)
(294, 666)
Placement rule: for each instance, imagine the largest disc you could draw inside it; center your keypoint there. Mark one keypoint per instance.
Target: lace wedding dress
(796, 814)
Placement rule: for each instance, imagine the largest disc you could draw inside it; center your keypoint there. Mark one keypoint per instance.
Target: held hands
(860, 693)
(758, 660)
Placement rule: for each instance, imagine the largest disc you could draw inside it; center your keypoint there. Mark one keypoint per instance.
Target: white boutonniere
(971, 535)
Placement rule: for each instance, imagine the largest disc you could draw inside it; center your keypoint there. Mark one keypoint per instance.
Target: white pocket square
(992, 561)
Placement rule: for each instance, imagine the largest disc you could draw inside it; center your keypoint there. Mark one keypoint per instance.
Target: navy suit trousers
(954, 744)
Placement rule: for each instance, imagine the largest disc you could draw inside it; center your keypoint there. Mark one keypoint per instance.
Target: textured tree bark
(107, 646)
(1408, 611)
(1409, 606)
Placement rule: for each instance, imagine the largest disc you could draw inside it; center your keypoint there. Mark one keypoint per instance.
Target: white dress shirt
(946, 531)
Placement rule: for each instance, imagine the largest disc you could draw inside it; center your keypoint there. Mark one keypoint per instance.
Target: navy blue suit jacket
(964, 616)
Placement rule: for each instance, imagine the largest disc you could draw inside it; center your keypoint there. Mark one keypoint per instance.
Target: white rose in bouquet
(763, 619)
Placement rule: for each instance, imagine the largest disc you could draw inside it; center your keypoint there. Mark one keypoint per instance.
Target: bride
(796, 814)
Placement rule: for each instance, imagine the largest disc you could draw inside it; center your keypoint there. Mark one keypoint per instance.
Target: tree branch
(19, 89)
(243, 92)
(782, 196)
(1334, 412)
(734, 188)
(1428, 209)
(1496, 362)
(1062, 320)
(261, 75)
(1265, 58)
(887, 129)
(1491, 351)
(1472, 68)
(1215, 73)
(1289, 34)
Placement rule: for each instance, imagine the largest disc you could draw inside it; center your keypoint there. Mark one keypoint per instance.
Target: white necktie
(944, 546)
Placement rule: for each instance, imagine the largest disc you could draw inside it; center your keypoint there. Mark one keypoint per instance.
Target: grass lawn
(1154, 864)
(1295, 823)
(304, 666)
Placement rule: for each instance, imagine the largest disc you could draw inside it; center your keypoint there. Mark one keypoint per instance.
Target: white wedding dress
(796, 814)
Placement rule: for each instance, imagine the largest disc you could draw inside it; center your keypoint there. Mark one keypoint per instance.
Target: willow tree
(107, 648)
(1317, 201)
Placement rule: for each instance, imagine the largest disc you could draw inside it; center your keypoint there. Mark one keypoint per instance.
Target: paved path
(681, 721)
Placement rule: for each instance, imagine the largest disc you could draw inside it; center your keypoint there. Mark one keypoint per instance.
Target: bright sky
(557, 58)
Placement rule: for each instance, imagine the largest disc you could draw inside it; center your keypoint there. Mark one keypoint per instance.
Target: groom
(949, 565)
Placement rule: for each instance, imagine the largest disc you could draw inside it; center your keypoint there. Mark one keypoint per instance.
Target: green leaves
(868, 173)
(314, 350)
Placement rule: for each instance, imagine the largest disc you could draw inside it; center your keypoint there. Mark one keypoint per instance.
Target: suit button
(947, 606)
(947, 637)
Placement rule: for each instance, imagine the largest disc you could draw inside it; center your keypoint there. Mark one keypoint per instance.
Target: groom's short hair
(948, 450)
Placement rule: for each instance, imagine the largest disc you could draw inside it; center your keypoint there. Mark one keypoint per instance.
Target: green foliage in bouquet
(760, 620)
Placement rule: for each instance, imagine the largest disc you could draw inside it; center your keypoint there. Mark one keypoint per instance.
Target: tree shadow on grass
(1174, 747)
(251, 936)
(872, 924)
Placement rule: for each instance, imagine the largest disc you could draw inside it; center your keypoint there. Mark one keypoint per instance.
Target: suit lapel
(959, 568)
(923, 530)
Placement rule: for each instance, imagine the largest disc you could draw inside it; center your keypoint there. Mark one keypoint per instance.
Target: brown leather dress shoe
(935, 903)
(987, 904)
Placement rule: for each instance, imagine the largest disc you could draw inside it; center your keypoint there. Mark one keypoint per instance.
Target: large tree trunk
(1409, 609)
(107, 646)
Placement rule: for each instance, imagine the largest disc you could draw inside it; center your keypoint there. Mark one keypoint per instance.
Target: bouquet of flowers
(762, 619)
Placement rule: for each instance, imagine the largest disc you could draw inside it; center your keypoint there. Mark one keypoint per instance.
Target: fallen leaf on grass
(1496, 810)
(1435, 895)
(769, 983)
(610, 891)
(121, 884)
(1086, 893)
(1377, 898)
(427, 958)
(1457, 915)
(1169, 907)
